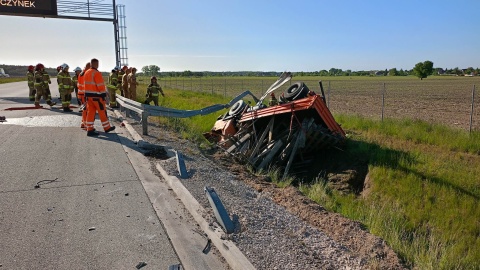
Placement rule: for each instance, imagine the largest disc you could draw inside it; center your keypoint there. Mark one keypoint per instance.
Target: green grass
(189, 128)
(424, 191)
(10, 80)
(423, 183)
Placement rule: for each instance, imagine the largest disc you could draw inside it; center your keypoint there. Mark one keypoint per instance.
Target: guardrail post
(144, 121)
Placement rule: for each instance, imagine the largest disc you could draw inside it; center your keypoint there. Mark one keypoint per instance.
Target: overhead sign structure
(29, 8)
(92, 10)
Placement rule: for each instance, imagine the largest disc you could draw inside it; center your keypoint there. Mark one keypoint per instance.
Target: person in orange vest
(81, 94)
(125, 82)
(95, 93)
(132, 85)
(31, 82)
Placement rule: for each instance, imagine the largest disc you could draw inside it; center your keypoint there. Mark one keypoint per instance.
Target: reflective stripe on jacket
(94, 84)
(112, 81)
(64, 81)
(154, 89)
(30, 78)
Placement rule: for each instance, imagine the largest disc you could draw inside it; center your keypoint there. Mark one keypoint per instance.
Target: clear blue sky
(268, 35)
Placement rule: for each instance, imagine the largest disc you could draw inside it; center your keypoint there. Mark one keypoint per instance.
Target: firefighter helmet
(59, 68)
(64, 66)
(39, 66)
(153, 78)
(31, 68)
(77, 69)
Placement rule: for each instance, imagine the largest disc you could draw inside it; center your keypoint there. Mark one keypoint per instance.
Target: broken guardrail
(145, 110)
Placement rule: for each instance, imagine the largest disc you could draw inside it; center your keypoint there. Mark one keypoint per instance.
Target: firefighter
(81, 95)
(77, 71)
(65, 86)
(112, 87)
(273, 100)
(59, 69)
(120, 78)
(31, 81)
(132, 84)
(125, 83)
(153, 90)
(95, 94)
(42, 80)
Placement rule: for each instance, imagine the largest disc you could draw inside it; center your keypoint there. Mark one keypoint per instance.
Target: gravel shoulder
(276, 228)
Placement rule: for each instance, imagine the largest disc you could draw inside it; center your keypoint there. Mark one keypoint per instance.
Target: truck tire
(296, 91)
(237, 108)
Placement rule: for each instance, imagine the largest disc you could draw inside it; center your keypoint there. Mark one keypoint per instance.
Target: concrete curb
(234, 257)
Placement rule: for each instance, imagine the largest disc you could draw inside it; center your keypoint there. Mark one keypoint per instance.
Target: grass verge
(10, 80)
(422, 191)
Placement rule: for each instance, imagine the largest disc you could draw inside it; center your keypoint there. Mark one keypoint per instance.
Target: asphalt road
(90, 210)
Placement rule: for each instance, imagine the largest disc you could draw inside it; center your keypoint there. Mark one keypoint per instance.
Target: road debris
(141, 265)
(92, 229)
(219, 210)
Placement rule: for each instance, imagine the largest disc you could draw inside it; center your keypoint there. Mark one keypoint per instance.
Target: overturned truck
(283, 135)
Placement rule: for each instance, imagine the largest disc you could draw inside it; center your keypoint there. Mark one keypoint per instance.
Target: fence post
(383, 100)
(225, 88)
(328, 95)
(471, 112)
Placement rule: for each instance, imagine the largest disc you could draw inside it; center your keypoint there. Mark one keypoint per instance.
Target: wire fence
(450, 101)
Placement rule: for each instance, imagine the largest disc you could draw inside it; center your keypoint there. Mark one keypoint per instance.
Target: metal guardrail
(145, 110)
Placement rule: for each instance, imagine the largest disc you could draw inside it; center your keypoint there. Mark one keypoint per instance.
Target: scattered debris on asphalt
(207, 247)
(43, 182)
(92, 229)
(141, 265)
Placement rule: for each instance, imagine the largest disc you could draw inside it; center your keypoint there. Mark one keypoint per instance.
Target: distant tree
(187, 73)
(469, 71)
(385, 73)
(393, 72)
(154, 70)
(323, 72)
(146, 70)
(422, 70)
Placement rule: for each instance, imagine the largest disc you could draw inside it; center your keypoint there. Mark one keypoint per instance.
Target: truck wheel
(296, 91)
(237, 108)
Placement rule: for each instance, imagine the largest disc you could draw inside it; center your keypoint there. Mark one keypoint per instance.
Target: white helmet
(77, 69)
(117, 68)
(64, 66)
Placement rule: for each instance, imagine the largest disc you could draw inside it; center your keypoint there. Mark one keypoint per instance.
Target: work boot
(112, 128)
(92, 133)
(51, 104)
(67, 109)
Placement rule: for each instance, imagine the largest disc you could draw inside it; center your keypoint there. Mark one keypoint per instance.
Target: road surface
(68, 201)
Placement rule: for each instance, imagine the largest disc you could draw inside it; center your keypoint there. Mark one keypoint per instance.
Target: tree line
(421, 70)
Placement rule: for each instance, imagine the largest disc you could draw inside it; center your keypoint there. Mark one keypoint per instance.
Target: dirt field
(444, 100)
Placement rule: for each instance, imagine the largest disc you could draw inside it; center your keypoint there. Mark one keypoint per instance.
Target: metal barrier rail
(145, 110)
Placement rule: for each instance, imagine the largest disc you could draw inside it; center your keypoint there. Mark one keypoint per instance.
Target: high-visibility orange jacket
(81, 83)
(94, 84)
